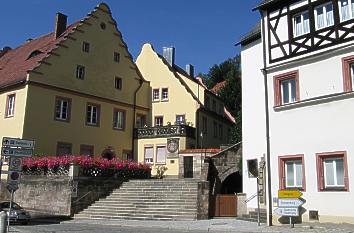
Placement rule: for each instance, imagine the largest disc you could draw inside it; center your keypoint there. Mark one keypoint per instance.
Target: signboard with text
(15, 142)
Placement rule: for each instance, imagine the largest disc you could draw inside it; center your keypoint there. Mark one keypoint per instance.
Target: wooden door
(226, 205)
(188, 166)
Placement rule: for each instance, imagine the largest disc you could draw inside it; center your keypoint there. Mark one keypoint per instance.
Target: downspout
(197, 122)
(264, 71)
(134, 117)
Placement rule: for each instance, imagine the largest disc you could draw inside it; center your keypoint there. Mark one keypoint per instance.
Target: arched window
(34, 53)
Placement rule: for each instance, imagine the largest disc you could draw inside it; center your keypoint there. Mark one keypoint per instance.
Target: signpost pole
(10, 207)
(291, 222)
(258, 212)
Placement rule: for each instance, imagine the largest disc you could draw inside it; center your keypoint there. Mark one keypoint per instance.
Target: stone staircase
(167, 199)
(253, 215)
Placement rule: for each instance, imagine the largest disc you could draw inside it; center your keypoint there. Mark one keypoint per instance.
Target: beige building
(184, 113)
(75, 90)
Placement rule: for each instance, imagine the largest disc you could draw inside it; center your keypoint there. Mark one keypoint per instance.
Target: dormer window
(301, 24)
(324, 15)
(34, 53)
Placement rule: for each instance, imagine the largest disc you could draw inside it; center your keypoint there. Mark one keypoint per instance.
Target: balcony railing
(165, 131)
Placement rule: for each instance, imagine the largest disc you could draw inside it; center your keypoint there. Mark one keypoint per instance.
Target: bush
(99, 167)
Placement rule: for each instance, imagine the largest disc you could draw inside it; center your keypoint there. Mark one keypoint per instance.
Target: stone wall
(60, 195)
(203, 200)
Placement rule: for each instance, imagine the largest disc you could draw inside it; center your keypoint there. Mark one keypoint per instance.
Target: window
(149, 154)
(164, 94)
(214, 105)
(207, 102)
(161, 154)
(324, 16)
(80, 72)
(64, 148)
(159, 121)
(116, 57)
(127, 155)
(155, 95)
(348, 73)
(221, 131)
(180, 119)
(292, 172)
(205, 125)
(301, 23)
(93, 114)
(346, 9)
(118, 83)
(140, 121)
(286, 88)
(118, 119)
(87, 150)
(10, 105)
(332, 171)
(85, 47)
(62, 109)
(215, 129)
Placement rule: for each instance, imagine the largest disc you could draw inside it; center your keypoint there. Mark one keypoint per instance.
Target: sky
(203, 32)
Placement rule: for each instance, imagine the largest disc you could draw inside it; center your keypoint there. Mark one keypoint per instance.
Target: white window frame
(325, 16)
(61, 109)
(155, 94)
(291, 95)
(350, 9)
(302, 24)
(10, 105)
(91, 117)
(149, 160)
(334, 166)
(180, 119)
(157, 150)
(118, 119)
(80, 72)
(118, 83)
(164, 94)
(155, 121)
(293, 163)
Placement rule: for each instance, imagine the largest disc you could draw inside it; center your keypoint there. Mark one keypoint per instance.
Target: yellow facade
(55, 77)
(186, 96)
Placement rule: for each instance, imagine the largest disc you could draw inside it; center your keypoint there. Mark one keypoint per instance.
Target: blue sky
(203, 31)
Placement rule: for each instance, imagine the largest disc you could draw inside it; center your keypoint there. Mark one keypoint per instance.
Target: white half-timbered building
(298, 105)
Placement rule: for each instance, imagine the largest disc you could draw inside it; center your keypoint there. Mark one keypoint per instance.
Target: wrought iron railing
(165, 131)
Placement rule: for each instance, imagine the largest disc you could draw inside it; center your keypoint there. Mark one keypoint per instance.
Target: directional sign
(289, 202)
(15, 142)
(15, 164)
(291, 212)
(289, 194)
(16, 152)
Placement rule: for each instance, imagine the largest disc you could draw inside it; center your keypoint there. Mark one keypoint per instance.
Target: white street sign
(15, 164)
(289, 202)
(290, 212)
(16, 152)
(15, 142)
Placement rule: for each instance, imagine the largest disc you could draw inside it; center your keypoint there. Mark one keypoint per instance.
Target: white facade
(315, 129)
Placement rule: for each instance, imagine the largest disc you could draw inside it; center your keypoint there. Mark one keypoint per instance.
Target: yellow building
(184, 113)
(75, 90)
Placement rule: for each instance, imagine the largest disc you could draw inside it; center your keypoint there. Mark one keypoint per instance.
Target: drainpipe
(134, 117)
(264, 71)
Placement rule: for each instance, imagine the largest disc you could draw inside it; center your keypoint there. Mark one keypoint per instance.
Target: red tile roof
(192, 151)
(15, 64)
(218, 87)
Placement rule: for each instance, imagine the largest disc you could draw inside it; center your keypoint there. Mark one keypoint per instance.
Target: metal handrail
(82, 197)
(251, 197)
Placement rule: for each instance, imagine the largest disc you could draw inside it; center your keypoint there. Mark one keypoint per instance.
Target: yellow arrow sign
(289, 194)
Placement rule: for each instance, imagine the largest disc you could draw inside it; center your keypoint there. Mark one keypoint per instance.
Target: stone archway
(232, 184)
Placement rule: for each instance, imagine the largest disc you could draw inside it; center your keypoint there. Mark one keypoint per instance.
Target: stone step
(140, 208)
(143, 205)
(161, 218)
(135, 215)
(158, 189)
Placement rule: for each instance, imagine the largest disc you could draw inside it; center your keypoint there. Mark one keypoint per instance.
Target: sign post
(288, 204)
(14, 149)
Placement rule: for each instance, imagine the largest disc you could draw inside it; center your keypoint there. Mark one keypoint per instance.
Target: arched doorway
(108, 153)
(232, 184)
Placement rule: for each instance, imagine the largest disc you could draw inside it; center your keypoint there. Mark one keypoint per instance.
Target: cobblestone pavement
(213, 225)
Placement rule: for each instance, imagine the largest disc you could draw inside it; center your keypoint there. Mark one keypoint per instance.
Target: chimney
(190, 70)
(60, 24)
(169, 54)
(4, 50)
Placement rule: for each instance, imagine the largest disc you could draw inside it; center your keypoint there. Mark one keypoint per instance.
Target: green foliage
(229, 71)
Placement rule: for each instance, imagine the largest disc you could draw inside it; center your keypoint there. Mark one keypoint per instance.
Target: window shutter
(282, 174)
(320, 173)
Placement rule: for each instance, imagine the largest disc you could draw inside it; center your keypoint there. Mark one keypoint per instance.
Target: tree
(229, 71)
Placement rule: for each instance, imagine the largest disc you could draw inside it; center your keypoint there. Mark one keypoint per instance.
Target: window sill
(293, 188)
(315, 101)
(118, 129)
(94, 125)
(155, 101)
(164, 100)
(335, 189)
(62, 120)
(10, 116)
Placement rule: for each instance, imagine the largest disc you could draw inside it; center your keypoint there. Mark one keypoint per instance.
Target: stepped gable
(16, 63)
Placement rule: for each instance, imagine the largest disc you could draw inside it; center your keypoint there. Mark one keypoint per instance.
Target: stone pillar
(203, 200)
(241, 204)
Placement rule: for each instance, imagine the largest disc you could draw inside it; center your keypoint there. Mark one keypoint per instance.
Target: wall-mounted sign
(6, 151)
(252, 167)
(15, 142)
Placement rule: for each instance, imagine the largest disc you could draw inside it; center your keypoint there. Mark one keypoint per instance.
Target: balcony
(165, 132)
